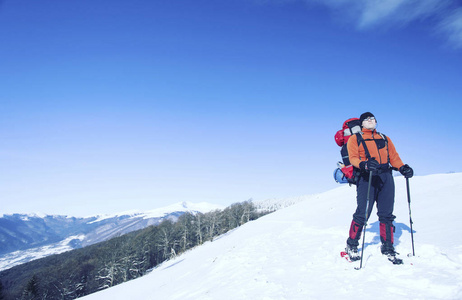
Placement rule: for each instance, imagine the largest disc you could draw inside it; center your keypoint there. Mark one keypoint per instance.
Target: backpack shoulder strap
(386, 143)
(368, 155)
(360, 139)
(383, 137)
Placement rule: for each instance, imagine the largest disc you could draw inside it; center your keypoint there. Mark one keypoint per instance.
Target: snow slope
(294, 253)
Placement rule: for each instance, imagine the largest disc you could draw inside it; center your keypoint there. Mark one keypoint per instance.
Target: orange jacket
(357, 154)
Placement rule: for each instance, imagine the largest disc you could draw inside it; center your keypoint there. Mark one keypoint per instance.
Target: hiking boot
(352, 252)
(353, 241)
(386, 237)
(388, 249)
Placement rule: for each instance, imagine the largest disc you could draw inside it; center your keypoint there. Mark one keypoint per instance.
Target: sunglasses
(369, 119)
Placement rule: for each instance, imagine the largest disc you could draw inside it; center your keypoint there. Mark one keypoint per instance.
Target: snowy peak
(24, 237)
(180, 207)
(202, 207)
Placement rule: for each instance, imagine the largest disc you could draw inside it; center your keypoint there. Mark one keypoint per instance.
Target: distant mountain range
(25, 237)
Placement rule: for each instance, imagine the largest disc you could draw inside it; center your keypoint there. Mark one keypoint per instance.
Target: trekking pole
(410, 217)
(367, 217)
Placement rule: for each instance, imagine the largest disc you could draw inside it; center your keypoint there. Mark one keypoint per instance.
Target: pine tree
(31, 291)
(2, 297)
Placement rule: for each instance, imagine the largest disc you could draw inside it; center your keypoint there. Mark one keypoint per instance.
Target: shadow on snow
(375, 228)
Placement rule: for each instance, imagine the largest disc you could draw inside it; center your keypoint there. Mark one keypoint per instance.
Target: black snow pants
(382, 193)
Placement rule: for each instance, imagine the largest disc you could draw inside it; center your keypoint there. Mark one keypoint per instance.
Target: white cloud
(397, 12)
(452, 28)
(368, 14)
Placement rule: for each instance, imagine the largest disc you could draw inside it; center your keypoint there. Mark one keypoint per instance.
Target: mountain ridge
(24, 237)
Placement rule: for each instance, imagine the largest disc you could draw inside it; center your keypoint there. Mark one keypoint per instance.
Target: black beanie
(366, 115)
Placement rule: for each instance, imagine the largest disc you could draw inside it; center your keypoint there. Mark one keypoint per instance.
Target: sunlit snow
(294, 253)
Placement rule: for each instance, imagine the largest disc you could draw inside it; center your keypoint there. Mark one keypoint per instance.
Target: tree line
(84, 271)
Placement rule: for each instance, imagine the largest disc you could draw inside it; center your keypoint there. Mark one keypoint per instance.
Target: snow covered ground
(294, 253)
(12, 259)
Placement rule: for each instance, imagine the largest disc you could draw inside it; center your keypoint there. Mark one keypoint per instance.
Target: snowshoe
(352, 252)
(395, 260)
(390, 252)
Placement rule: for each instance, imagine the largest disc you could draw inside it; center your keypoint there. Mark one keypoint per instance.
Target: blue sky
(108, 106)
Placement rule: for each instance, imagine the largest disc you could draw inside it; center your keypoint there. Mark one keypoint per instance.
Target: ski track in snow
(294, 253)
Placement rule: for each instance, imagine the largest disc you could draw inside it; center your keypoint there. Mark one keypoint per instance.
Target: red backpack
(350, 127)
(345, 173)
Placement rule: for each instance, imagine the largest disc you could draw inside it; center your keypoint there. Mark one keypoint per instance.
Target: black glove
(369, 165)
(406, 171)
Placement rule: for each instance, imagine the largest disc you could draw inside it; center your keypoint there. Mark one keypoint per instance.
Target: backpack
(345, 173)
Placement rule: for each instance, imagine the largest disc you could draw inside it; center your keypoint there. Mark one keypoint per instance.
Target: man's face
(369, 123)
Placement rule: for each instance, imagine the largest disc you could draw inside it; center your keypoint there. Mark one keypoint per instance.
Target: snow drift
(294, 253)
